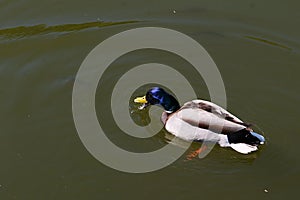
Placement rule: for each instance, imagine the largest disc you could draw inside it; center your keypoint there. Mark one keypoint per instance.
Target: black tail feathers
(243, 136)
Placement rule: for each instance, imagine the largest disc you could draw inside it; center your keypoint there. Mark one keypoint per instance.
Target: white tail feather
(243, 148)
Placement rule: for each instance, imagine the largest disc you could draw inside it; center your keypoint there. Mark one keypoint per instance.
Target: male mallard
(202, 120)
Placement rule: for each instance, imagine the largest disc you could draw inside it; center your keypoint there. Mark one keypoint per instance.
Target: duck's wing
(215, 109)
(207, 115)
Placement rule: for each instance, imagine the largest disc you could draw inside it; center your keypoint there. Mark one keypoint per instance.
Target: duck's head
(158, 96)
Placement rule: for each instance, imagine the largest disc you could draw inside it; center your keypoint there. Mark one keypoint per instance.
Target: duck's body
(200, 120)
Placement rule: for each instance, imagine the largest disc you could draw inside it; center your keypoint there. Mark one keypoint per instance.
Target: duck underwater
(199, 120)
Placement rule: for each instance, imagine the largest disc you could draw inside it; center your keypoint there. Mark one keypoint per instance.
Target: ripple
(41, 29)
(267, 42)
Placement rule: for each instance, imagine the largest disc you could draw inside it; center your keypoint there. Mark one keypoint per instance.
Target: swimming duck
(199, 120)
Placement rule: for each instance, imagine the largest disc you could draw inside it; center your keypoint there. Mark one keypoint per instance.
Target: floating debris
(266, 191)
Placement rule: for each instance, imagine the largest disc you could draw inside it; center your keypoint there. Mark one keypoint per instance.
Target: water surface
(255, 45)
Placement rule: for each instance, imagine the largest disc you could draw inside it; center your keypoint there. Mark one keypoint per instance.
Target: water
(255, 45)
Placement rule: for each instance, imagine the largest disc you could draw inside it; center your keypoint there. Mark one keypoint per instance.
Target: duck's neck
(169, 103)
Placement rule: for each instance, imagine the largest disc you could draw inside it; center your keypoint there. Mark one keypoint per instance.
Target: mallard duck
(199, 120)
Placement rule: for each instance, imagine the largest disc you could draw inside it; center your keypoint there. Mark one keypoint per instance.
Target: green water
(256, 46)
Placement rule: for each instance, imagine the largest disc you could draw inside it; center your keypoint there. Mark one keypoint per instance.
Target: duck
(201, 120)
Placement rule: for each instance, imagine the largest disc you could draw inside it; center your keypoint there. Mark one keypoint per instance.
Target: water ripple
(41, 29)
(267, 42)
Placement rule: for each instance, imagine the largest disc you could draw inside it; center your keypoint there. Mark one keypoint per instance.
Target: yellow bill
(140, 100)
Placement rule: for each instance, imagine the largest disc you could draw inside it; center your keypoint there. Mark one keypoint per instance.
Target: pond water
(256, 46)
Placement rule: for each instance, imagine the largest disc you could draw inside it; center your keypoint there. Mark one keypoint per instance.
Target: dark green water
(256, 46)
